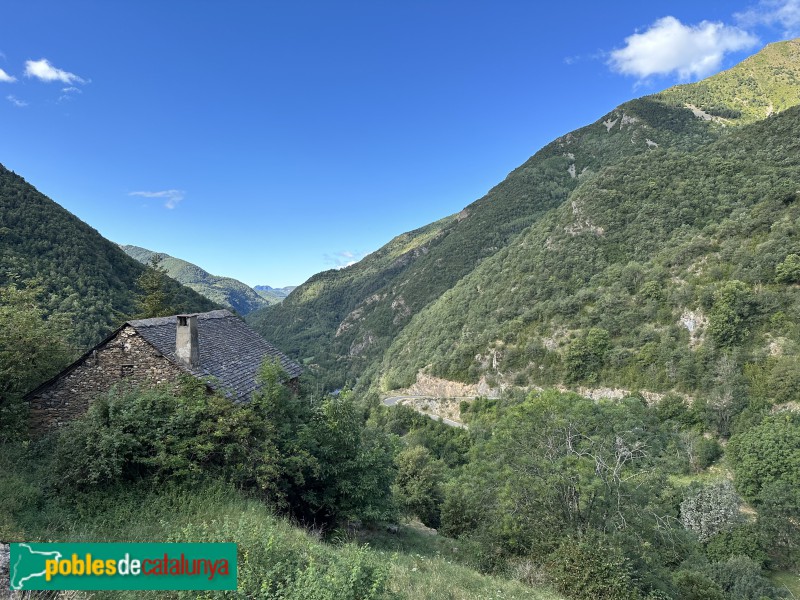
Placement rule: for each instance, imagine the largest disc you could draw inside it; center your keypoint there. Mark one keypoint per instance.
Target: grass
(789, 581)
(276, 558)
(430, 566)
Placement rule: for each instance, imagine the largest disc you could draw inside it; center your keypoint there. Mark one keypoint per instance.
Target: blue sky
(268, 141)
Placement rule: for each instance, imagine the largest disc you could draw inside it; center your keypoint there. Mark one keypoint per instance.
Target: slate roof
(230, 351)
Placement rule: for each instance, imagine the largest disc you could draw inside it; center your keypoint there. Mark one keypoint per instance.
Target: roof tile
(230, 351)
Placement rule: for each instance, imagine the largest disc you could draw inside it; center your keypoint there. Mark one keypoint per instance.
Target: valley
(582, 385)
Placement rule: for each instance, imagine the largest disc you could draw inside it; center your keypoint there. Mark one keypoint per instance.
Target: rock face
(446, 408)
(125, 359)
(426, 385)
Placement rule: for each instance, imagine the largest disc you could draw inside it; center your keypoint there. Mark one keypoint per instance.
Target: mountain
(85, 278)
(652, 249)
(221, 290)
(273, 295)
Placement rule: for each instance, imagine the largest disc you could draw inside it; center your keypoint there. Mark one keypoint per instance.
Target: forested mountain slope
(222, 290)
(456, 275)
(674, 270)
(85, 277)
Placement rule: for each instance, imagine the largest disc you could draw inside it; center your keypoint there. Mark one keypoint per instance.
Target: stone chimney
(187, 348)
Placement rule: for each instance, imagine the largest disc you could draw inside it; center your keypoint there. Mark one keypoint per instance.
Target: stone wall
(125, 360)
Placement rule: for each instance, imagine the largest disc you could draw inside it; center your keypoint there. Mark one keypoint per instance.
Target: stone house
(216, 346)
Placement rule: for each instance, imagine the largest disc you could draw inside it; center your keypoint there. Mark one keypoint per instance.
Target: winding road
(394, 400)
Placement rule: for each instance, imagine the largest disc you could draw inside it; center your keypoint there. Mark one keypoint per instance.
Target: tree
(418, 487)
(32, 348)
(767, 453)
(779, 522)
(733, 306)
(789, 270)
(586, 354)
(153, 300)
(710, 509)
(356, 467)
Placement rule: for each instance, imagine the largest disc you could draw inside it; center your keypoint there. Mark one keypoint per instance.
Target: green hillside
(346, 319)
(85, 278)
(451, 275)
(762, 85)
(638, 252)
(220, 290)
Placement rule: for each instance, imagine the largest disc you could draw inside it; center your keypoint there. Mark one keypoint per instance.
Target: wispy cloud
(43, 70)
(343, 259)
(780, 13)
(16, 101)
(6, 78)
(67, 93)
(668, 46)
(171, 197)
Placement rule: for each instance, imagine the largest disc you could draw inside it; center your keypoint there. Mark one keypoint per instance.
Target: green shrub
(692, 585)
(740, 577)
(767, 453)
(418, 486)
(740, 540)
(590, 568)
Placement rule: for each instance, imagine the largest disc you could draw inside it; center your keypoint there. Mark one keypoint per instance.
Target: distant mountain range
(653, 249)
(273, 295)
(226, 291)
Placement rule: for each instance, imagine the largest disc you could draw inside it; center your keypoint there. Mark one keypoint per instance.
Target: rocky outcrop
(427, 385)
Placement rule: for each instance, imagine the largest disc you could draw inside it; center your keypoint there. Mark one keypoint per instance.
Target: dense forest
(610, 258)
(603, 290)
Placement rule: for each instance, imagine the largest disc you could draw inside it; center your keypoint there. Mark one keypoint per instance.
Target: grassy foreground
(276, 559)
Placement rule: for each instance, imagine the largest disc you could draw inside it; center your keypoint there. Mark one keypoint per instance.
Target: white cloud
(16, 101)
(783, 13)
(171, 197)
(6, 78)
(68, 93)
(44, 71)
(669, 46)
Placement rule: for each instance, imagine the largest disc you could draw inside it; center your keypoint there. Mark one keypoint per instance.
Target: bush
(591, 568)
(710, 509)
(707, 451)
(319, 463)
(740, 540)
(131, 434)
(779, 523)
(740, 577)
(692, 585)
(418, 487)
(766, 454)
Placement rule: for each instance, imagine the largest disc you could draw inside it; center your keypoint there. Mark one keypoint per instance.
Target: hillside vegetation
(759, 86)
(653, 249)
(654, 273)
(83, 277)
(225, 291)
